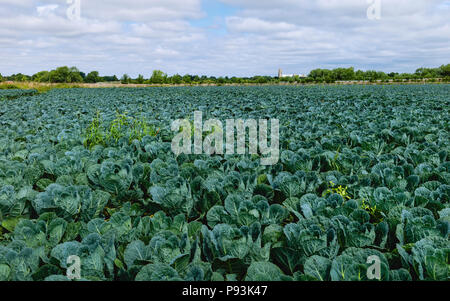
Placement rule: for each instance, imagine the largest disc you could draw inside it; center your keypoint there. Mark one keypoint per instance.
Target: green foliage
(92, 77)
(10, 92)
(158, 77)
(140, 79)
(125, 79)
(59, 75)
(118, 127)
(122, 126)
(94, 133)
(84, 172)
(376, 215)
(342, 191)
(177, 79)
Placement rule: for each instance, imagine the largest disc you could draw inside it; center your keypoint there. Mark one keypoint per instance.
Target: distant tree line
(73, 75)
(61, 75)
(349, 74)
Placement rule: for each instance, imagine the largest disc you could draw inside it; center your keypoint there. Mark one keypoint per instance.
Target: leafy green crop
(9, 94)
(363, 171)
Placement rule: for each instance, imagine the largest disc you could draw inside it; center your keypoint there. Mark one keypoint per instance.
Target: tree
(321, 75)
(158, 77)
(1, 77)
(445, 70)
(428, 72)
(41, 77)
(393, 74)
(125, 79)
(359, 75)
(348, 73)
(381, 75)
(19, 77)
(65, 75)
(343, 74)
(177, 79)
(59, 75)
(187, 79)
(92, 77)
(261, 79)
(140, 79)
(75, 76)
(110, 78)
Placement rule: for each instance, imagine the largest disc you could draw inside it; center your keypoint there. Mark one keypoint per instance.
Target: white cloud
(138, 10)
(46, 10)
(305, 34)
(238, 24)
(136, 36)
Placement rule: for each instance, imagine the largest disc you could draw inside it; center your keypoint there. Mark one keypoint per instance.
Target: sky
(223, 37)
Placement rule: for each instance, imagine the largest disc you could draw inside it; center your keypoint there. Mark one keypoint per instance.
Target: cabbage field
(15, 93)
(363, 173)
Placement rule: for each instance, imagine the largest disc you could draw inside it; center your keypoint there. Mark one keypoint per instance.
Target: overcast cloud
(226, 37)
